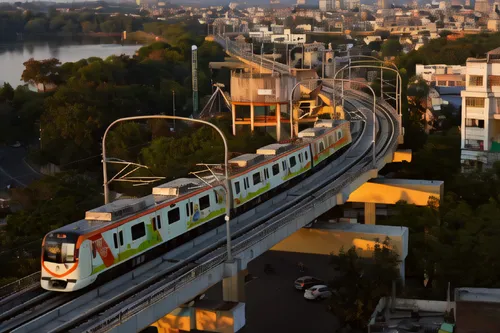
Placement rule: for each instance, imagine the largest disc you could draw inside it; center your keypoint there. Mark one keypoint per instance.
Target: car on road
(306, 282)
(317, 292)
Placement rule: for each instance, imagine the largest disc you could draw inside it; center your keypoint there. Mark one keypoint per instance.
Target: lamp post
(226, 161)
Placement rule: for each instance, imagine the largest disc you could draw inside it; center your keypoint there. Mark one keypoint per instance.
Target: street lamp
(226, 162)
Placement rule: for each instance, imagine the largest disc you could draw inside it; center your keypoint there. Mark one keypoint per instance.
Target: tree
(41, 72)
(6, 92)
(362, 282)
(36, 26)
(391, 48)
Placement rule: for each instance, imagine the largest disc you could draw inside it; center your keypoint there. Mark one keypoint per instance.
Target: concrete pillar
(278, 122)
(252, 116)
(233, 287)
(233, 113)
(370, 213)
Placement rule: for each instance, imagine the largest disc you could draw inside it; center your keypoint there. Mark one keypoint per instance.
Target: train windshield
(60, 248)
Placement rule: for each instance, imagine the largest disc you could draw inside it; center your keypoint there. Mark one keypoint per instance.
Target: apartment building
(480, 128)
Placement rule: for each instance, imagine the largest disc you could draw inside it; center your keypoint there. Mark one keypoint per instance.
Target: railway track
(47, 312)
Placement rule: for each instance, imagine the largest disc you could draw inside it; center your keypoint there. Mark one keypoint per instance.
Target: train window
(245, 183)
(174, 215)
(305, 154)
(293, 161)
(191, 207)
(276, 169)
(284, 165)
(300, 157)
(321, 146)
(256, 178)
(94, 250)
(138, 231)
(158, 221)
(266, 173)
(339, 135)
(115, 240)
(153, 223)
(204, 202)
(237, 187)
(120, 234)
(187, 210)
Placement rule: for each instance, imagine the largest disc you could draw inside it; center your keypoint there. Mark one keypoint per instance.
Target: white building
(288, 38)
(481, 112)
(428, 72)
(326, 5)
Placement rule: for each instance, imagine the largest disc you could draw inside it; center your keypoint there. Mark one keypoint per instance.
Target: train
(116, 237)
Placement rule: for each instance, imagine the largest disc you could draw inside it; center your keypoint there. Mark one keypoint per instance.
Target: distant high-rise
(301, 2)
(482, 6)
(382, 4)
(326, 5)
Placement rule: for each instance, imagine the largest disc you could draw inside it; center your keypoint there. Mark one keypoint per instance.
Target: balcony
(474, 133)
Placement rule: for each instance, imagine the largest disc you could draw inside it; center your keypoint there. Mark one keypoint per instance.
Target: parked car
(307, 282)
(317, 292)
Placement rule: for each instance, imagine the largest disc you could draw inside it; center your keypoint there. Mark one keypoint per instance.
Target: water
(13, 55)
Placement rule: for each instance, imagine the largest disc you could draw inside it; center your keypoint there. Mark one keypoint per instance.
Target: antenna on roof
(124, 176)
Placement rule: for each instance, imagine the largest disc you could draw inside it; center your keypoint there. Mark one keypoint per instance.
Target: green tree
(362, 282)
(391, 48)
(36, 26)
(41, 72)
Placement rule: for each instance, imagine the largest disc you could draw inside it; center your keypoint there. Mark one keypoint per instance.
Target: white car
(317, 292)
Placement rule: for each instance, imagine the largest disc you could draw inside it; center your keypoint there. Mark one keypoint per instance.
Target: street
(273, 304)
(14, 170)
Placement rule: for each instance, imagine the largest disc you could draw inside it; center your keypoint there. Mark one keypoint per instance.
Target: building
(301, 2)
(326, 5)
(482, 6)
(383, 4)
(477, 310)
(480, 130)
(429, 72)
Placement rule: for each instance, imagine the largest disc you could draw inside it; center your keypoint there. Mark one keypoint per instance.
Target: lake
(13, 55)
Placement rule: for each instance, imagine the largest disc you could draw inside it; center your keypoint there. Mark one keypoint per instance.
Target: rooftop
(477, 295)
(408, 315)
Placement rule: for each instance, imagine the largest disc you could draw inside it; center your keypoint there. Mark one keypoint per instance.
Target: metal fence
(20, 285)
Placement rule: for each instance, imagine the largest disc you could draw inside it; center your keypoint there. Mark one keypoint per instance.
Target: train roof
(125, 208)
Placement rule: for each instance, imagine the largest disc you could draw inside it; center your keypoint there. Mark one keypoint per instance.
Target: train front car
(60, 262)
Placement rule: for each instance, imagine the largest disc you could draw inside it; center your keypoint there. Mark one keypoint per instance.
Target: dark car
(307, 282)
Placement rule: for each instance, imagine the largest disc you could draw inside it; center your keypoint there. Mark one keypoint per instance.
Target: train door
(85, 259)
(121, 241)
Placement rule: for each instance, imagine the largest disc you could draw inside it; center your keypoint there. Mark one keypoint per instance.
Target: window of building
(276, 169)
(237, 187)
(451, 83)
(138, 231)
(293, 161)
(204, 202)
(441, 83)
(476, 102)
(476, 80)
(256, 178)
(474, 144)
(174, 215)
(474, 123)
(494, 80)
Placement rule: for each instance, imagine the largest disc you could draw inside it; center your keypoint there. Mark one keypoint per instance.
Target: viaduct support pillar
(252, 117)
(278, 122)
(233, 113)
(370, 213)
(233, 286)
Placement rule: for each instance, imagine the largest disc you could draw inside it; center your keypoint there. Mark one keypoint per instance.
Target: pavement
(272, 303)
(14, 170)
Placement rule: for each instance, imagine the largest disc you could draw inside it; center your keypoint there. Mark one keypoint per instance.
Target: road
(272, 303)
(14, 170)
